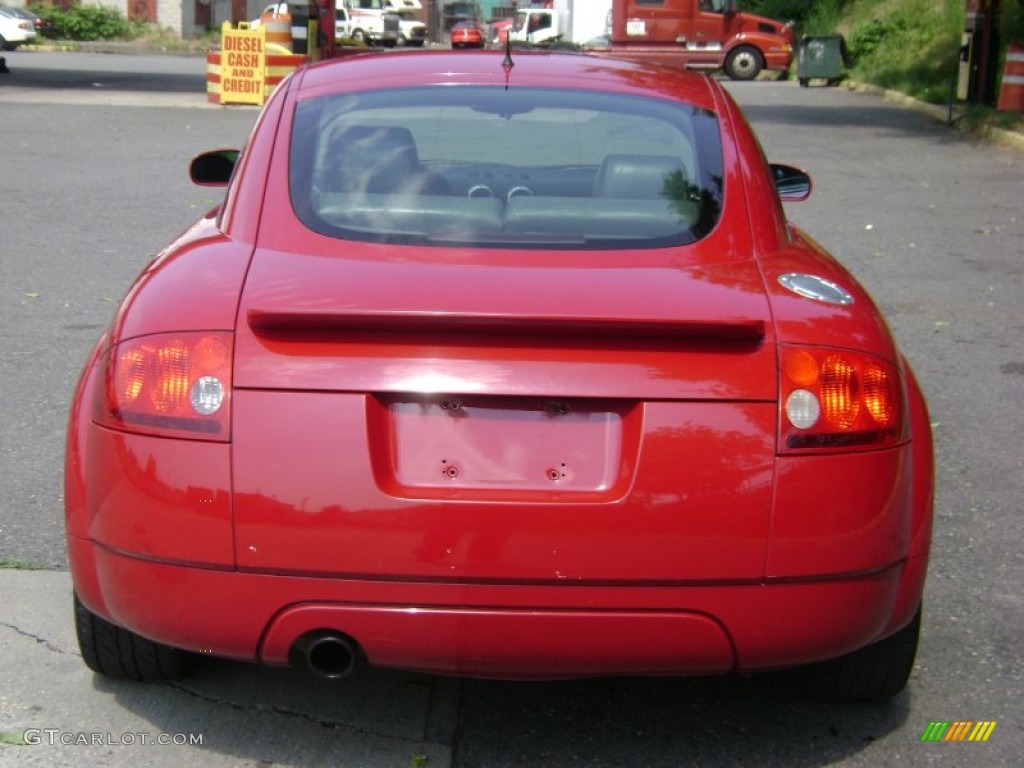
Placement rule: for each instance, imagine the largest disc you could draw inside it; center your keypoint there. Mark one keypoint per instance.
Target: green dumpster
(821, 58)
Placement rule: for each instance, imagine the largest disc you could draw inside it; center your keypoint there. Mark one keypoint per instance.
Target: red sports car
(467, 34)
(503, 369)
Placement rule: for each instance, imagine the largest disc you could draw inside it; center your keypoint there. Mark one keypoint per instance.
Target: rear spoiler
(300, 322)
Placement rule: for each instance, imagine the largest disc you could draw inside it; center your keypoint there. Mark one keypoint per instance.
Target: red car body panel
(258, 616)
(638, 486)
(636, 528)
(296, 305)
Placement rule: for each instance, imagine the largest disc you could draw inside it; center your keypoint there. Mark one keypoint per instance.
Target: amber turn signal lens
(840, 392)
(169, 371)
(800, 367)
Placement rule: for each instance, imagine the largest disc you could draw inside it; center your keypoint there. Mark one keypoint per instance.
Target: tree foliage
(87, 22)
(814, 17)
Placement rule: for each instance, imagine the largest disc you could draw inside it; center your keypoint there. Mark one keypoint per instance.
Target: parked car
(467, 34)
(43, 25)
(519, 373)
(17, 27)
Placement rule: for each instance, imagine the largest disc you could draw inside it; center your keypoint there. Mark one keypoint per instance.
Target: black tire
(877, 672)
(359, 36)
(744, 62)
(116, 652)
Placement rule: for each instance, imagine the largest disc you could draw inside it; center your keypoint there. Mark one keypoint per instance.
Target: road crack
(41, 640)
(284, 712)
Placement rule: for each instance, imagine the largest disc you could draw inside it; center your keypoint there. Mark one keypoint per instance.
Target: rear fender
(76, 515)
(915, 570)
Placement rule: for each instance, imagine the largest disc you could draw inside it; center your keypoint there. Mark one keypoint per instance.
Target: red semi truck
(694, 34)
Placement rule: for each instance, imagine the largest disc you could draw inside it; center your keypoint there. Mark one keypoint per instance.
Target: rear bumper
(498, 630)
(19, 38)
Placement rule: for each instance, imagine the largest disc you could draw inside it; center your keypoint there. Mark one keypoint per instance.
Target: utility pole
(979, 52)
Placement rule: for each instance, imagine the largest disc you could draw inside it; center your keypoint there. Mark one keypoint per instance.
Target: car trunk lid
(404, 327)
(503, 423)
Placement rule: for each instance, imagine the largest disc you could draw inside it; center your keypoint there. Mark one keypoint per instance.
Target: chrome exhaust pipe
(328, 655)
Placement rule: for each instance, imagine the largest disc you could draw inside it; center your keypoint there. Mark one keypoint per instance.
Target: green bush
(869, 37)
(88, 22)
(906, 45)
(817, 18)
(782, 10)
(1011, 23)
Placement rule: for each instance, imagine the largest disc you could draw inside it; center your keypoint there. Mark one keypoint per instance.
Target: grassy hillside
(907, 45)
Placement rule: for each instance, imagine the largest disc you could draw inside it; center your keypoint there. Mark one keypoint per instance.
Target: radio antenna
(507, 63)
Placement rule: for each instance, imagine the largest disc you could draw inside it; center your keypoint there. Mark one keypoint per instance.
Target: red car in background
(467, 34)
(516, 373)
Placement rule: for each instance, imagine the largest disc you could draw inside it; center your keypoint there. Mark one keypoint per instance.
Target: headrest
(638, 177)
(368, 158)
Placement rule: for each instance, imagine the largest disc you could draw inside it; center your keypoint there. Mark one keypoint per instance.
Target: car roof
(531, 69)
(21, 13)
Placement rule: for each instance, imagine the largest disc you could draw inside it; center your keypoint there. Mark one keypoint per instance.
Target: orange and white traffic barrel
(1011, 91)
(279, 29)
(213, 77)
(279, 66)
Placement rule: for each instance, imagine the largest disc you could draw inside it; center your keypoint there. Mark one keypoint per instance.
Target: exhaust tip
(328, 655)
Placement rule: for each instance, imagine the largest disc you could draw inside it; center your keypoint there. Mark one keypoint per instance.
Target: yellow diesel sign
(243, 64)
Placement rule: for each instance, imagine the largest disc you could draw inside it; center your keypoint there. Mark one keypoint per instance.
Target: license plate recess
(450, 445)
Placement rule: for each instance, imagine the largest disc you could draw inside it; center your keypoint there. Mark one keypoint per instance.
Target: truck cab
(372, 21)
(700, 34)
(536, 26)
(342, 23)
(411, 29)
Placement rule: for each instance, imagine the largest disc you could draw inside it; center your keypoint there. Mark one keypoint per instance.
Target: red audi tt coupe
(500, 368)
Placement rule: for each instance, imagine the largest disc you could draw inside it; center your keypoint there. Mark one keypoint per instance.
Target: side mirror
(213, 169)
(792, 184)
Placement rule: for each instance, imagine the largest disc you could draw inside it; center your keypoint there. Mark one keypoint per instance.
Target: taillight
(833, 399)
(173, 384)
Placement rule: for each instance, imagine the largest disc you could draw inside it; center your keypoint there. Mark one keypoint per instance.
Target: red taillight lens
(837, 399)
(173, 385)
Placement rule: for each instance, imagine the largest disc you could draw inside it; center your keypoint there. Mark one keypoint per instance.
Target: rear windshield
(496, 168)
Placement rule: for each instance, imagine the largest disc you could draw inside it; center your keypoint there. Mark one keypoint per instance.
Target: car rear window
(491, 167)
